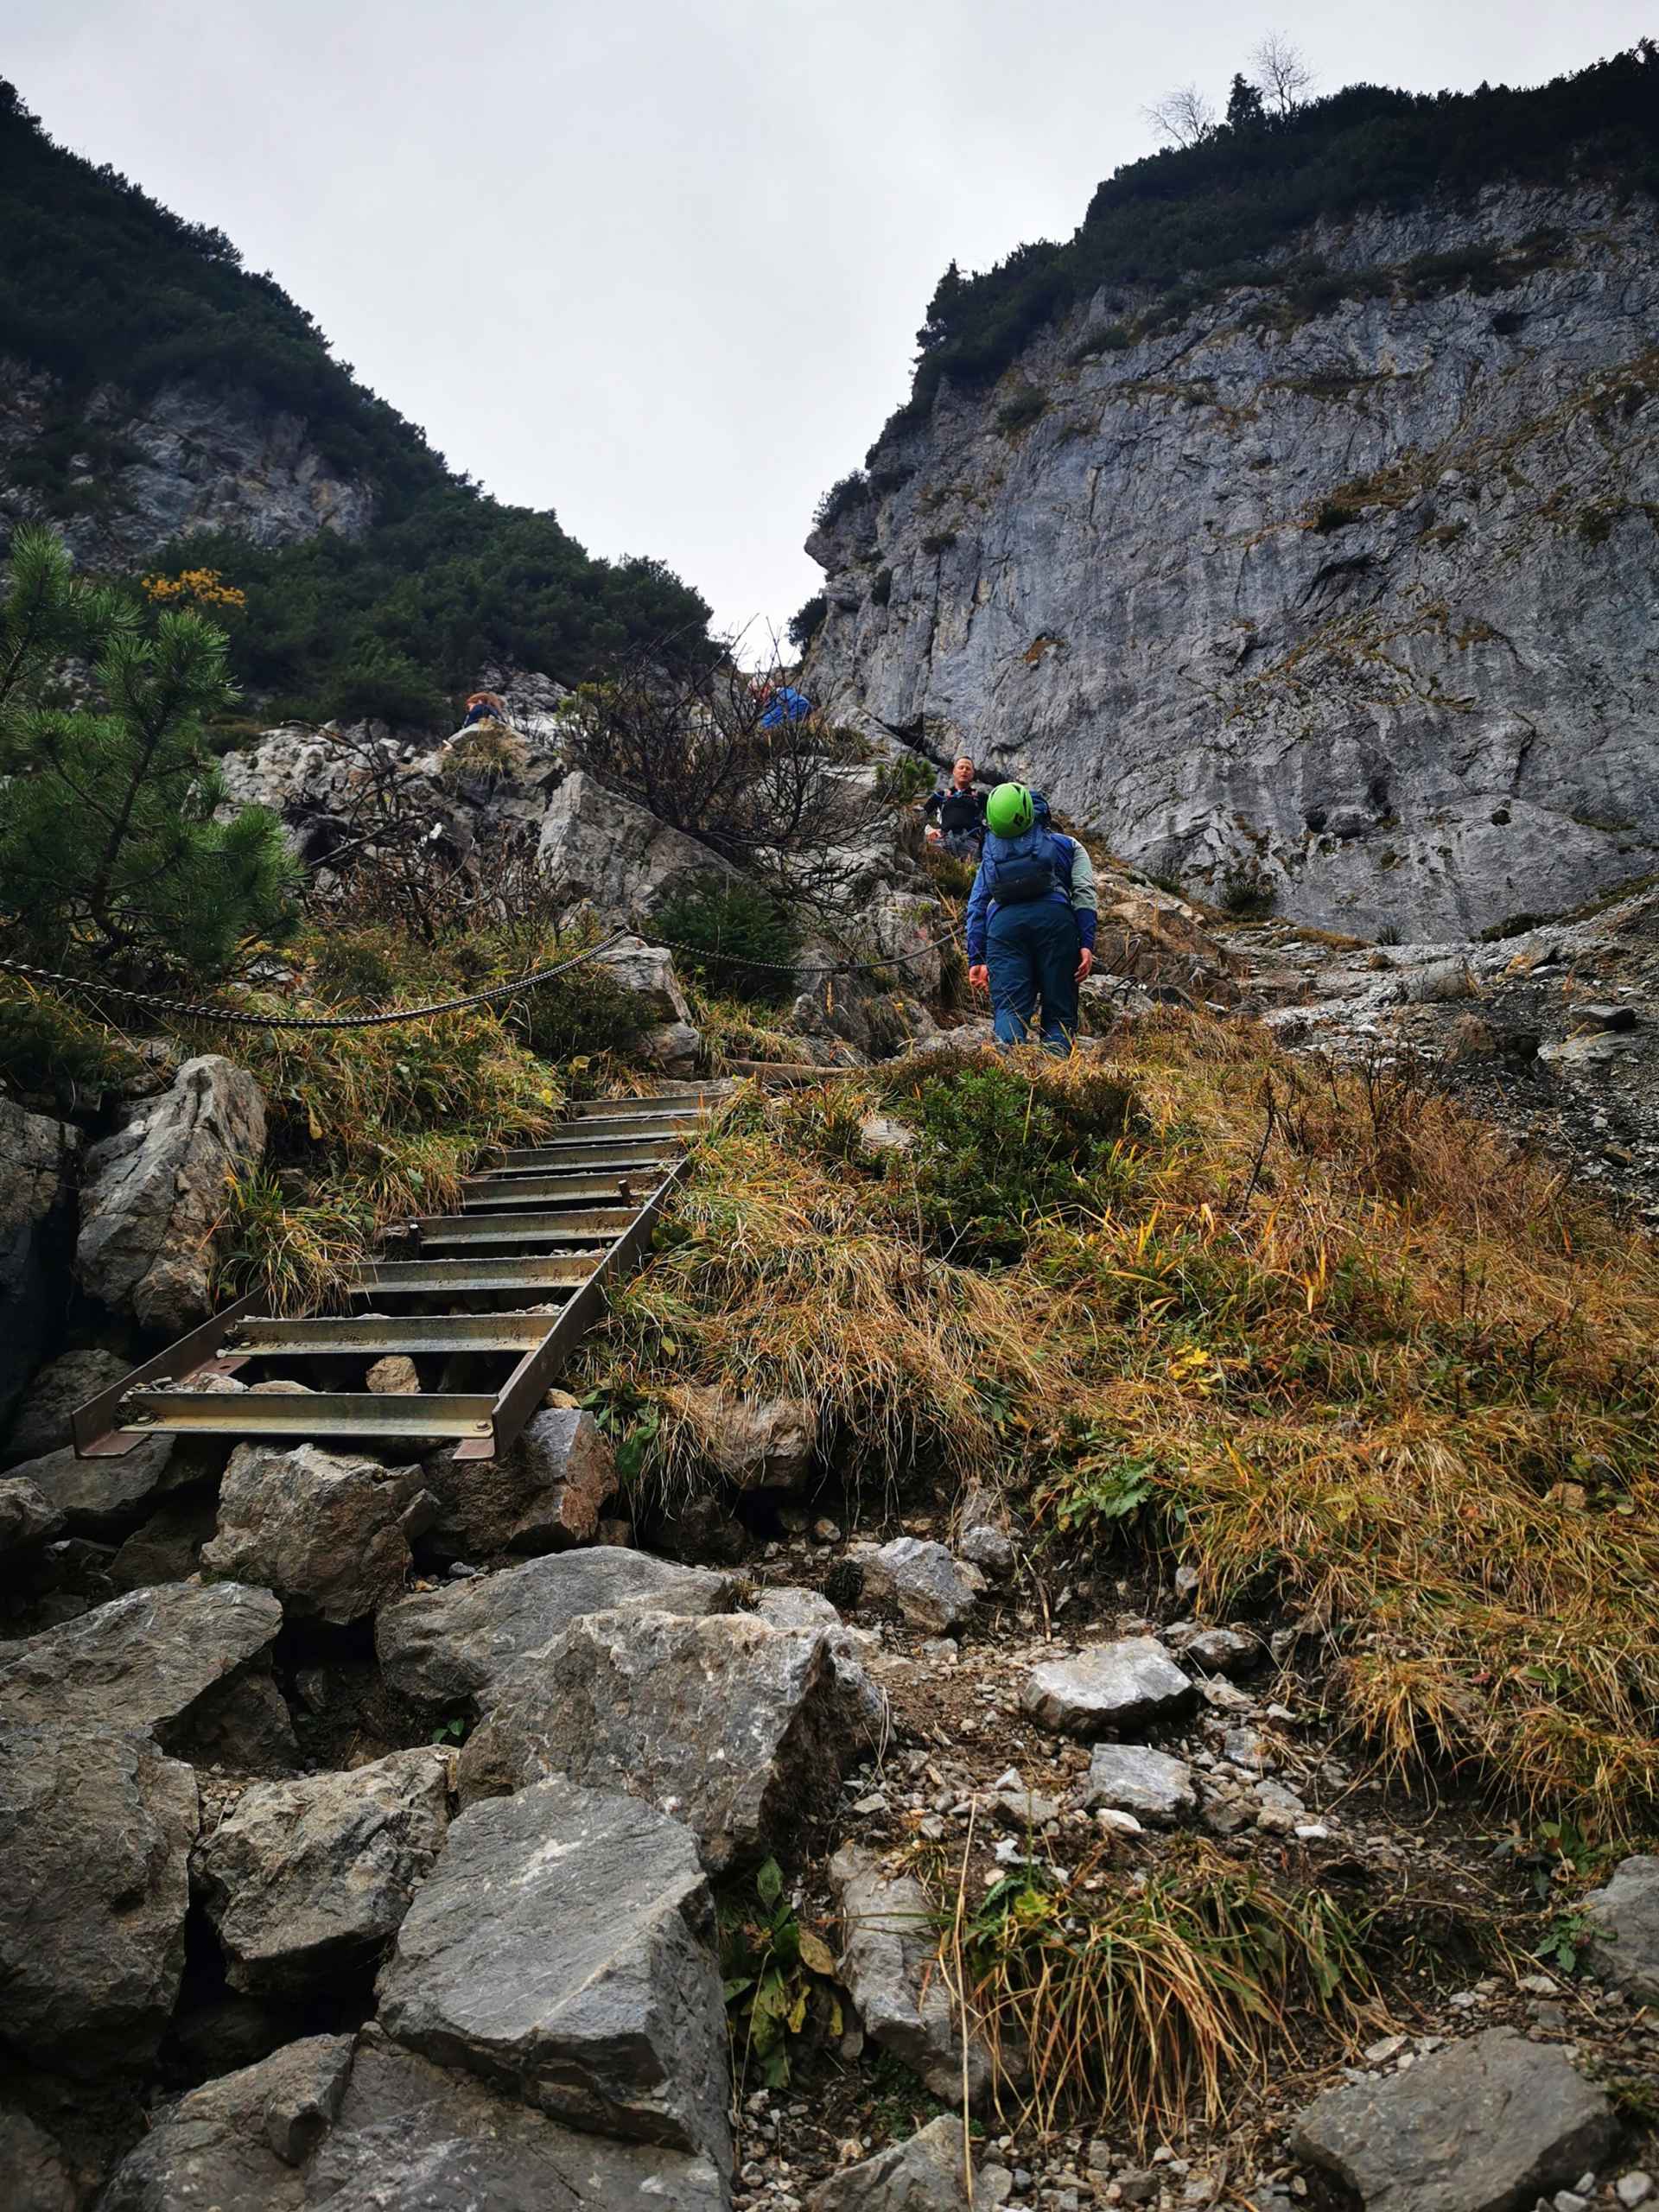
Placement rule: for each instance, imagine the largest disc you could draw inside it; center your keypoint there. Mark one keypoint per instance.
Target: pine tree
(109, 843)
(1244, 109)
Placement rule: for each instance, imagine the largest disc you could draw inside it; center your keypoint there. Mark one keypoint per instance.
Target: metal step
(551, 1271)
(370, 1336)
(591, 1152)
(701, 1095)
(467, 1231)
(664, 1128)
(360, 1414)
(480, 1192)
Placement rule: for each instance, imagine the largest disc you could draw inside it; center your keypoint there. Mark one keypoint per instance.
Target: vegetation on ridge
(113, 295)
(1214, 213)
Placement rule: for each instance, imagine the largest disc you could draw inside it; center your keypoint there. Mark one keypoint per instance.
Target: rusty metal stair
(487, 1303)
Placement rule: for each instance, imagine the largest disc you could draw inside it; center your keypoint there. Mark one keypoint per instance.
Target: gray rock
(102, 1497)
(754, 1443)
(647, 973)
(165, 1549)
(153, 1198)
(307, 1876)
(1108, 1690)
(377, 2129)
(150, 1661)
(1206, 716)
(734, 1727)
(923, 1581)
(673, 1048)
(922, 2174)
(1221, 1650)
(1130, 1778)
(989, 1549)
(864, 1702)
(1623, 1925)
(195, 456)
(598, 849)
(43, 1420)
(34, 2174)
(28, 1517)
(325, 1531)
(1482, 2127)
(562, 1949)
(441, 1648)
(38, 1160)
(96, 1828)
(544, 1494)
(889, 1963)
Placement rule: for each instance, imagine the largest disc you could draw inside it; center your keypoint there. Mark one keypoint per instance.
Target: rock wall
(1351, 615)
(187, 458)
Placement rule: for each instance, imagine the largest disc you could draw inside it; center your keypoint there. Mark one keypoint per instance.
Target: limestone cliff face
(187, 458)
(1358, 614)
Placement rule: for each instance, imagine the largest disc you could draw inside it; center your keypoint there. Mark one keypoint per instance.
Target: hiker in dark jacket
(1031, 923)
(954, 813)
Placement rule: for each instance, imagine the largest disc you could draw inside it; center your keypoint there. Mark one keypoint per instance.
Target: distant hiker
(785, 705)
(484, 706)
(1031, 923)
(955, 812)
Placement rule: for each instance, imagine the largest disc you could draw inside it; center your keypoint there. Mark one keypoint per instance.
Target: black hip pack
(1027, 876)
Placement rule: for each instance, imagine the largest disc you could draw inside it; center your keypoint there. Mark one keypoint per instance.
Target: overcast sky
(659, 265)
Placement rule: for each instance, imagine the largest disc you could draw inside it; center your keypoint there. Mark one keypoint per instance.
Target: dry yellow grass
(1359, 1358)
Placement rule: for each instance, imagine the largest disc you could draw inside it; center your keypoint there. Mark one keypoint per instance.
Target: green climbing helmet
(1008, 810)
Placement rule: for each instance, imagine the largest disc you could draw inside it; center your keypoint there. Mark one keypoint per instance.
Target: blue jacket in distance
(1074, 883)
(787, 706)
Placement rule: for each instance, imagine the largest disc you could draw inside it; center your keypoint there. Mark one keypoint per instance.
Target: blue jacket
(1074, 884)
(786, 706)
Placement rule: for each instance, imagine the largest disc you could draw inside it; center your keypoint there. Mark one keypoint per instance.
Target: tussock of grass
(1129, 2005)
(1319, 1333)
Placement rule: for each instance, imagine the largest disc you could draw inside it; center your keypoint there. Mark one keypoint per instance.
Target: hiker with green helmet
(1030, 922)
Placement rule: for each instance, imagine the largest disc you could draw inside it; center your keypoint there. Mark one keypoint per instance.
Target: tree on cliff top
(110, 846)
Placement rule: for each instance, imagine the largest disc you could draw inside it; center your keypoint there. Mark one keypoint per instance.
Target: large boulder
(755, 1443)
(96, 1827)
(562, 1949)
(1108, 1690)
(604, 851)
(372, 2127)
(154, 1194)
(544, 1493)
(736, 1727)
(311, 1876)
(890, 1965)
(35, 2175)
(43, 1420)
(28, 1517)
(102, 1497)
(647, 973)
(922, 1581)
(922, 2174)
(37, 1166)
(153, 1660)
(1622, 1924)
(328, 1532)
(1485, 2126)
(442, 1649)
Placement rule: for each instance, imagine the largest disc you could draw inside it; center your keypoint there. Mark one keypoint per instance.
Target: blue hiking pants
(1032, 952)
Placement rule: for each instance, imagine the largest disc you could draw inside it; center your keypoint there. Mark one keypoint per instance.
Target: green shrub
(940, 542)
(847, 493)
(381, 681)
(731, 923)
(807, 620)
(1332, 515)
(1001, 1151)
(1111, 338)
(54, 1059)
(882, 589)
(1022, 410)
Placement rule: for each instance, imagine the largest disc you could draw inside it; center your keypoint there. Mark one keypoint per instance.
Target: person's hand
(934, 833)
(1085, 962)
(979, 977)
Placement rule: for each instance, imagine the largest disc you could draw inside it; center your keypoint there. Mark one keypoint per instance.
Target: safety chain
(232, 1017)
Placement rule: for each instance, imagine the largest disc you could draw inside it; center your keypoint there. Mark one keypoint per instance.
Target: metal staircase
(487, 1303)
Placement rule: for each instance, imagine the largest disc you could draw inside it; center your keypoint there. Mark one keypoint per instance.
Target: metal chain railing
(236, 1018)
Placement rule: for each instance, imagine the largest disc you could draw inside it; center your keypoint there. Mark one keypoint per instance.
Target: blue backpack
(1013, 878)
